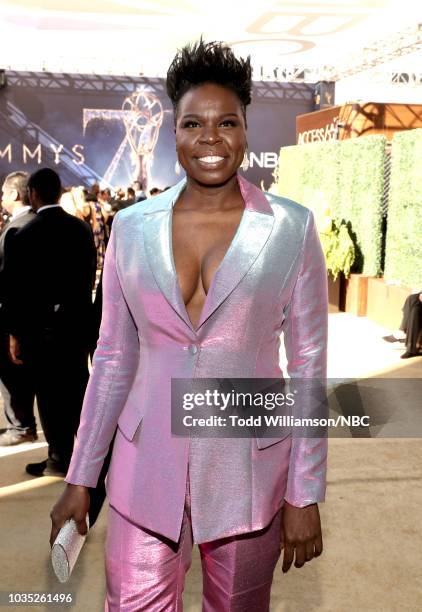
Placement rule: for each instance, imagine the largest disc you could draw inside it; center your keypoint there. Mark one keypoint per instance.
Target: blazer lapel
(159, 250)
(252, 234)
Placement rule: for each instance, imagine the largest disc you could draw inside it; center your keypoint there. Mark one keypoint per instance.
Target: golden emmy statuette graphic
(142, 115)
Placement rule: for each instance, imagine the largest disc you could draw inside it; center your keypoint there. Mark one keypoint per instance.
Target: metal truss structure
(100, 84)
(92, 83)
(407, 78)
(283, 91)
(378, 53)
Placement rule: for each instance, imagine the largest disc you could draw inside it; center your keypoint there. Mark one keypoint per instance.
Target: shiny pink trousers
(146, 571)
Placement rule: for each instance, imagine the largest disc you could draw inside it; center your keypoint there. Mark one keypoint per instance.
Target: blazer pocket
(129, 422)
(266, 442)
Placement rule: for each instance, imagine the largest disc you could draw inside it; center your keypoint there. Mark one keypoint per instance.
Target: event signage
(318, 126)
(357, 119)
(116, 130)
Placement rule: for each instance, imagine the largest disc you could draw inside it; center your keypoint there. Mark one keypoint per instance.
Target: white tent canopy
(328, 40)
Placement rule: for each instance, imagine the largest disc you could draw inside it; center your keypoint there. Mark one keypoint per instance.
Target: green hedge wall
(403, 257)
(308, 174)
(345, 178)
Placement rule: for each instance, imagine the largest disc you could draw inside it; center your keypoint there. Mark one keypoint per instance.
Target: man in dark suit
(15, 383)
(50, 274)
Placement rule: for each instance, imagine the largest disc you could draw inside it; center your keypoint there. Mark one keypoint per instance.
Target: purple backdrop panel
(115, 130)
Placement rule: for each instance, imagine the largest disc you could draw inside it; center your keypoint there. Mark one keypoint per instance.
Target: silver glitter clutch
(66, 549)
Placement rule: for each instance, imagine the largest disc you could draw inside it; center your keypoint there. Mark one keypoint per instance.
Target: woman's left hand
(301, 532)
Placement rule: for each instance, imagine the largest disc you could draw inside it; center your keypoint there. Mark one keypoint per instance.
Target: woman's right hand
(73, 503)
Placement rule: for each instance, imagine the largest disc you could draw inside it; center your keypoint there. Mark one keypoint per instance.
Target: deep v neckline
(252, 234)
(220, 266)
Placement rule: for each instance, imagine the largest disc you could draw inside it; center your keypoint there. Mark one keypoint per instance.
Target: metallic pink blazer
(271, 280)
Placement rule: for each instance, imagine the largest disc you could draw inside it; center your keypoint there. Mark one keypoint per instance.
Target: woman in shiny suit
(200, 282)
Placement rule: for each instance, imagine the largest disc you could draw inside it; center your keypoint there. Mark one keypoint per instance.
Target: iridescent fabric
(271, 280)
(146, 571)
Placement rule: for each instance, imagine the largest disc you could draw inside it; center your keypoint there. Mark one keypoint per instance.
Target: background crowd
(52, 247)
(94, 205)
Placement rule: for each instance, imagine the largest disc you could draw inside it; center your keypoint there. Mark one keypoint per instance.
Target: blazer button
(193, 349)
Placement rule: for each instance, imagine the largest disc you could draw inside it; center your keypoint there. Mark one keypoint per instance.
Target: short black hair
(19, 181)
(47, 184)
(209, 62)
(89, 196)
